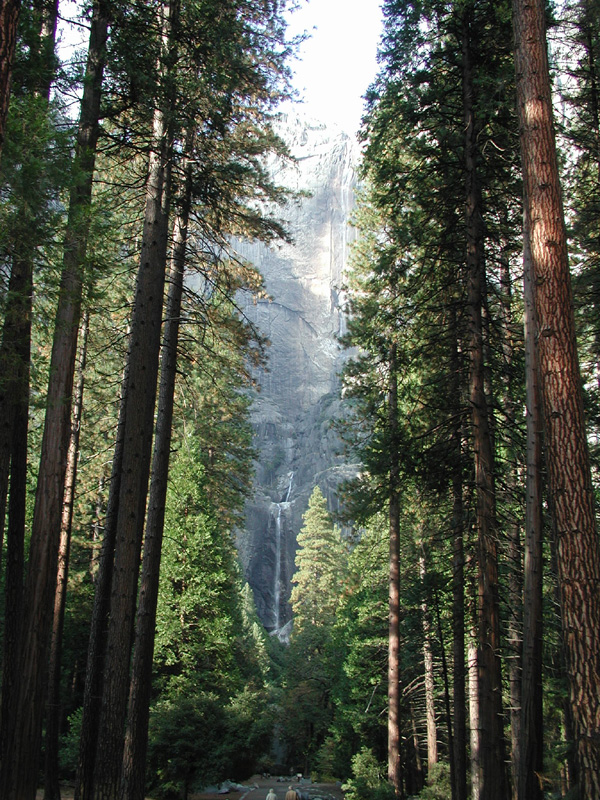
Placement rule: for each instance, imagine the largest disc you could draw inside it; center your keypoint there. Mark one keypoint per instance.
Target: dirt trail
(258, 787)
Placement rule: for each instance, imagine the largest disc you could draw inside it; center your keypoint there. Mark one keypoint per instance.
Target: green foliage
(320, 568)
(69, 745)
(314, 655)
(186, 744)
(438, 783)
(368, 781)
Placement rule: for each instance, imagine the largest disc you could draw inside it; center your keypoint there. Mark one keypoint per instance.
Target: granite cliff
(299, 390)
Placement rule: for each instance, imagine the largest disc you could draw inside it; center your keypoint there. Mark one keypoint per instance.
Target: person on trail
(291, 794)
(271, 795)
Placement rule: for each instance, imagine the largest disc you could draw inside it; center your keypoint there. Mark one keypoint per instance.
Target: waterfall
(277, 572)
(277, 577)
(289, 489)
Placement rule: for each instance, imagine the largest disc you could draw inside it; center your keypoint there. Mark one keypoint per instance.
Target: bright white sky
(339, 61)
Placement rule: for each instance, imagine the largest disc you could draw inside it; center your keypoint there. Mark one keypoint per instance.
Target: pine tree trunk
(139, 403)
(9, 19)
(474, 719)
(491, 736)
(14, 412)
(577, 547)
(136, 738)
(432, 748)
(531, 760)
(18, 775)
(51, 772)
(458, 590)
(394, 689)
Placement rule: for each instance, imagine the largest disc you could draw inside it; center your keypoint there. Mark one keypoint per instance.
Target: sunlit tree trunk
(394, 689)
(577, 547)
(458, 589)
(531, 760)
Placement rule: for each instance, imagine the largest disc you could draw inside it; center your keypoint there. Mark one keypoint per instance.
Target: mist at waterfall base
(299, 392)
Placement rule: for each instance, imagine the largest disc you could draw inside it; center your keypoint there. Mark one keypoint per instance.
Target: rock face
(299, 392)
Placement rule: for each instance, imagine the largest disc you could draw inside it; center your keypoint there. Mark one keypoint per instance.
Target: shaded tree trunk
(138, 412)
(51, 772)
(577, 547)
(9, 19)
(491, 737)
(136, 738)
(18, 775)
(432, 748)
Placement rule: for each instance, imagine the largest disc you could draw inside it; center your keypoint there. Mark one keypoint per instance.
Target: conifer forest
(446, 616)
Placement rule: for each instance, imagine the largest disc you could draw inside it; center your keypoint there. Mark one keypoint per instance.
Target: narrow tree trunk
(531, 760)
(139, 401)
(394, 690)
(136, 738)
(473, 669)
(458, 589)
(14, 411)
(578, 550)
(51, 772)
(432, 747)
(446, 680)
(491, 742)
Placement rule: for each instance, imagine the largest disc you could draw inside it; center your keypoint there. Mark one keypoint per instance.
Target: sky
(339, 61)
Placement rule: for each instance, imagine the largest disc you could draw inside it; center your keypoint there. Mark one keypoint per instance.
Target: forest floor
(256, 788)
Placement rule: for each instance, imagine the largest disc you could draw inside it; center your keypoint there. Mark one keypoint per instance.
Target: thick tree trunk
(9, 18)
(51, 772)
(136, 738)
(394, 689)
(577, 547)
(531, 761)
(139, 404)
(491, 736)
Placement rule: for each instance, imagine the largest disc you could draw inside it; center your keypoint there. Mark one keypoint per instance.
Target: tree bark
(139, 403)
(18, 774)
(432, 748)
(578, 551)
(9, 19)
(136, 738)
(531, 760)
(394, 689)
(491, 736)
(474, 718)
(51, 772)
(458, 590)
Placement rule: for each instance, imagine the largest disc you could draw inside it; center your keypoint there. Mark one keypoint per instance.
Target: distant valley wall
(299, 391)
